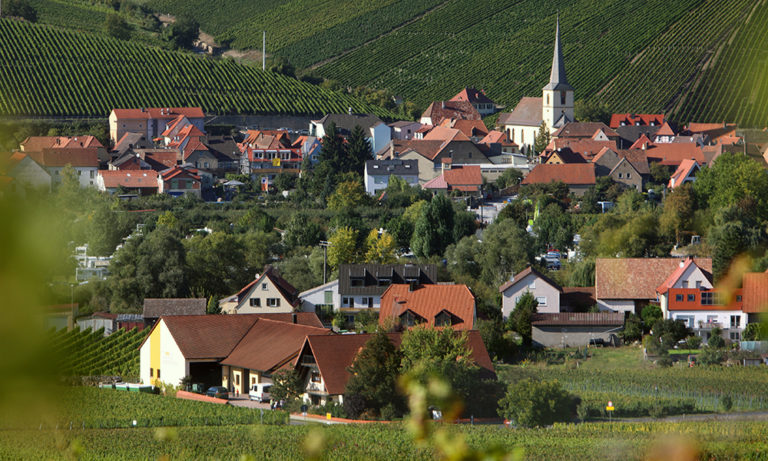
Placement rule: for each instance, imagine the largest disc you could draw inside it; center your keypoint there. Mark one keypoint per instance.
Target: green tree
(532, 403)
(660, 173)
(358, 150)
(633, 329)
(183, 32)
(217, 264)
(401, 230)
(542, 138)
(464, 225)
(343, 248)
(650, 315)
(255, 219)
(509, 177)
(462, 258)
(286, 385)
(285, 181)
(716, 340)
(731, 179)
(374, 378)
(678, 212)
(521, 318)
(116, 26)
(506, 251)
(213, 307)
(380, 249)
(433, 231)
(301, 231)
(553, 228)
(590, 110)
(348, 196)
(19, 9)
(333, 151)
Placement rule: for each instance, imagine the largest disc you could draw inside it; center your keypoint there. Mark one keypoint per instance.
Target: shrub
(711, 356)
(716, 340)
(538, 403)
(693, 342)
(726, 403)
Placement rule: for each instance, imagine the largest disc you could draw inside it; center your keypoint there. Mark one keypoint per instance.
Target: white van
(260, 392)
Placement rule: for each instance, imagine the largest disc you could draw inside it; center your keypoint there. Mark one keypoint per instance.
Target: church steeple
(557, 95)
(557, 79)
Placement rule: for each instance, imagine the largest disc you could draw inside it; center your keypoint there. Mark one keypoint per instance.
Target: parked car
(260, 392)
(220, 392)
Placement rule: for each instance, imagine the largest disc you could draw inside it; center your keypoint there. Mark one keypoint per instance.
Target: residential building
(154, 308)
(130, 141)
(404, 129)
(268, 293)
(597, 131)
(178, 181)
(625, 166)
(463, 178)
(670, 154)
(325, 296)
(684, 173)
(576, 329)
(37, 144)
(361, 285)
(139, 182)
(151, 122)
(629, 284)
(26, 173)
(578, 176)
(378, 133)
(620, 120)
(703, 310)
(84, 161)
(439, 111)
(439, 305)
(377, 173)
(550, 296)
(324, 361)
(482, 103)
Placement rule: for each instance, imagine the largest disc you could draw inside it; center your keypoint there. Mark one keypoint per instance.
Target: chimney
(411, 286)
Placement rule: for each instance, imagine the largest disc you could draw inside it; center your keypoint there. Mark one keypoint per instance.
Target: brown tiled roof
(472, 95)
(683, 170)
(588, 148)
(528, 112)
(309, 319)
(755, 292)
(334, 354)
(569, 173)
(638, 159)
(441, 110)
(61, 156)
(129, 178)
(428, 149)
(167, 113)
(463, 175)
(636, 278)
(583, 130)
(525, 272)
(208, 336)
(566, 155)
(442, 133)
(159, 307)
(160, 159)
(468, 127)
(427, 301)
(665, 130)
(287, 290)
(579, 318)
(269, 344)
(631, 119)
(171, 173)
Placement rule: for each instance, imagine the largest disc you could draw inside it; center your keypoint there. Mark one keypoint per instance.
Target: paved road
(733, 416)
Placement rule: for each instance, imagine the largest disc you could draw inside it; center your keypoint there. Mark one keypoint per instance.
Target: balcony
(709, 325)
(316, 388)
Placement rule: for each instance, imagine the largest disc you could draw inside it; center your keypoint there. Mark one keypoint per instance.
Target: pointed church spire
(557, 79)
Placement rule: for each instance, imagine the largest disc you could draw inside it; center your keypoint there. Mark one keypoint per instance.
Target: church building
(554, 108)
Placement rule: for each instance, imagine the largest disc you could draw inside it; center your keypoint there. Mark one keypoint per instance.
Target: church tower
(557, 97)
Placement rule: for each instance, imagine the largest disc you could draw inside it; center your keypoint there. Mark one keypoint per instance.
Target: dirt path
(733, 416)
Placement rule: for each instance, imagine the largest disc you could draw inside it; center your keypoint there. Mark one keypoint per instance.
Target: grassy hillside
(694, 59)
(49, 71)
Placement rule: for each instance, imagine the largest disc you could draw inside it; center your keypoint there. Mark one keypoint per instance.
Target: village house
(576, 329)
(26, 173)
(324, 361)
(403, 129)
(377, 173)
(84, 162)
(378, 133)
(438, 111)
(178, 181)
(154, 308)
(466, 179)
(323, 297)
(625, 166)
(684, 173)
(549, 295)
(578, 176)
(440, 305)
(482, 103)
(139, 182)
(268, 293)
(151, 122)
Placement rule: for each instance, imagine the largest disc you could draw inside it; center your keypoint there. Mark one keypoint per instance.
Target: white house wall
(540, 289)
(316, 296)
(616, 305)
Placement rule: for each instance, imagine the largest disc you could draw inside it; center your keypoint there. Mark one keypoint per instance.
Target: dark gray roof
(392, 167)
(131, 141)
(528, 112)
(557, 79)
(126, 157)
(631, 133)
(370, 274)
(223, 147)
(345, 123)
(159, 307)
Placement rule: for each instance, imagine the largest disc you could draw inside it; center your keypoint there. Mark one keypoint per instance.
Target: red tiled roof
(158, 112)
(496, 136)
(179, 171)
(631, 119)
(642, 142)
(287, 290)
(160, 159)
(665, 130)
(38, 143)
(755, 292)
(472, 95)
(674, 276)
(569, 173)
(583, 130)
(674, 153)
(427, 301)
(59, 157)
(468, 127)
(636, 278)
(683, 170)
(428, 149)
(195, 145)
(208, 336)
(270, 344)
(464, 175)
(131, 179)
(334, 354)
(442, 133)
(441, 110)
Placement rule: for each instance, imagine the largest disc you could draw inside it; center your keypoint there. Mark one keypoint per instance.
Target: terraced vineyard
(667, 69)
(48, 71)
(734, 86)
(89, 353)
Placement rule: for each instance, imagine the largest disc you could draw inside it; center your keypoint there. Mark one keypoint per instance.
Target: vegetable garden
(48, 71)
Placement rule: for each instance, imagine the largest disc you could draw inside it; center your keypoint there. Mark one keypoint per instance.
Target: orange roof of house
(12, 161)
(755, 292)
(674, 153)
(179, 171)
(674, 276)
(129, 178)
(442, 133)
(270, 344)
(636, 278)
(495, 136)
(172, 126)
(583, 130)
(683, 170)
(569, 173)
(193, 146)
(38, 143)
(158, 112)
(468, 127)
(62, 156)
(334, 354)
(427, 301)
(665, 130)
(632, 119)
(472, 95)
(440, 110)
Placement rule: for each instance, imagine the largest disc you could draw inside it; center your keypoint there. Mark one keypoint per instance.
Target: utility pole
(264, 50)
(325, 244)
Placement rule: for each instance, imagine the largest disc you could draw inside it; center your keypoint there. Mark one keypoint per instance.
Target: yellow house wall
(155, 353)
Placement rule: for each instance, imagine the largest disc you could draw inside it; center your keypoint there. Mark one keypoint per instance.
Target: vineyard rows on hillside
(654, 81)
(47, 71)
(90, 353)
(735, 86)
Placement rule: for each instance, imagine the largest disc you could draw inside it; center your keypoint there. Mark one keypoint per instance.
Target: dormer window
(410, 319)
(357, 281)
(384, 281)
(443, 319)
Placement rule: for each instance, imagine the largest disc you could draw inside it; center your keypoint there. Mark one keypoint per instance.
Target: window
(709, 298)
(698, 284)
(562, 98)
(357, 282)
(92, 174)
(315, 378)
(711, 319)
(687, 319)
(273, 302)
(532, 285)
(629, 175)
(542, 300)
(151, 372)
(738, 298)
(328, 297)
(691, 298)
(547, 99)
(735, 321)
(621, 175)
(158, 373)
(255, 302)
(263, 287)
(384, 281)
(345, 301)
(735, 336)
(237, 379)
(410, 319)
(678, 298)
(443, 319)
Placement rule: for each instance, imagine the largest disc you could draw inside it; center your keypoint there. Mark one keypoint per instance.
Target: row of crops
(711, 440)
(506, 47)
(90, 353)
(701, 386)
(666, 69)
(48, 71)
(735, 86)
